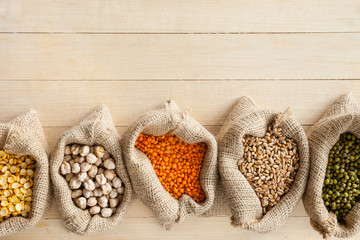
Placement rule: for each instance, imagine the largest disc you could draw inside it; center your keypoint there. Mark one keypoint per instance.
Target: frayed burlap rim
(169, 119)
(246, 118)
(343, 116)
(97, 128)
(24, 136)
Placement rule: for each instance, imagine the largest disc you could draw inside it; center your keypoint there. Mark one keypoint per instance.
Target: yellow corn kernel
(5, 186)
(24, 213)
(15, 199)
(6, 193)
(28, 199)
(28, 160)
(27, 207)
(4, 169)
(17, 178)
(23, 171)
(3, 180)
(2, 154)
(28, 192)
(15, 214)
(22, 180)
(4, 212)
(7, 174)
(13, 169)
(14, 185)
(20, 195)
(18, 207)
(10, 179)
(11, 207)
(4, 203)
(30, 172)
(11, 161)
(23, 165)
(27, 185)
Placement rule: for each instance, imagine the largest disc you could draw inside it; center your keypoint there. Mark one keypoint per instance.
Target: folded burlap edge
(24, 135)
(255, 221)
(96, 128)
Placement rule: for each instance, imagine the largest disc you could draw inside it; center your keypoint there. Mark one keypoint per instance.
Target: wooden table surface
(63, 58)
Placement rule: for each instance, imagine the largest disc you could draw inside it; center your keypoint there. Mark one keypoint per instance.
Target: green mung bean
(342, 178)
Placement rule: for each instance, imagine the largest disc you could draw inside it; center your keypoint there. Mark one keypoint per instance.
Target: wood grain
(297, 228)
(179, 56)
(179, 16)
(63, 58)
(64, 103)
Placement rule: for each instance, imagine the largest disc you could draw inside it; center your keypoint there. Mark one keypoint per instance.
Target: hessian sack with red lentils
(247, 119)
(168, 120)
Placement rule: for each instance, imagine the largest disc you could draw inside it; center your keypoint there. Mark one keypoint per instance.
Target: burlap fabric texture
(246, 118)
(24, 136)
(221, 204)
(169, 119)
(343, 116)
(96, 129)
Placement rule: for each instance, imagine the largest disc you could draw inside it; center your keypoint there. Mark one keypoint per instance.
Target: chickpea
(90, 172)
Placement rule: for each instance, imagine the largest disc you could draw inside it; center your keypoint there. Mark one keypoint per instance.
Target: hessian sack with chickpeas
(343, 116)
(169, 119)
(24, 136)
(246, 118)
(96, 129)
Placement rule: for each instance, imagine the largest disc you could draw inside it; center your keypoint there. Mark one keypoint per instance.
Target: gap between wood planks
(178, 33)
(175, 80)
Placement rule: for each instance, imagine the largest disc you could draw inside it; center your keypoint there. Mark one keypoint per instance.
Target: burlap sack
(247, 119)
(25, 136)
(342, 116)
(169, 119)
(221, 204)
(97, 128)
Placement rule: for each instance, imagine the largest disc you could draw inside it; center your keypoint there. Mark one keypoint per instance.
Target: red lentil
(177, 164)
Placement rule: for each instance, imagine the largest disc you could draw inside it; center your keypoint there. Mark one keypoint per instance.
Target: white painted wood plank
(296, 228)
(65, 103)
(184, 56)
(179, 16)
